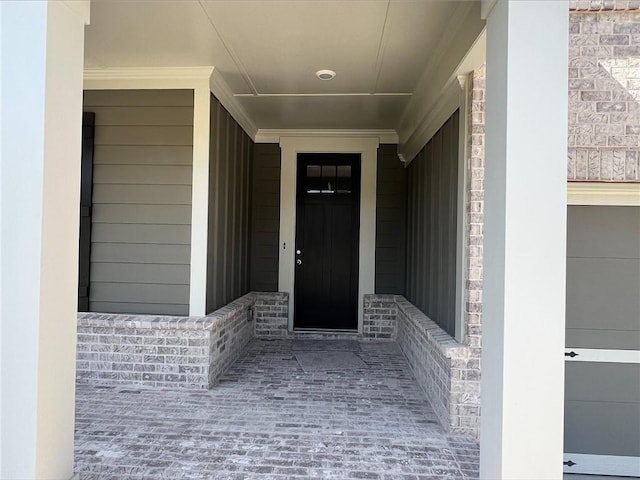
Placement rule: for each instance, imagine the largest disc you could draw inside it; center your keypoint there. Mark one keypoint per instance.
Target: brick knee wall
(379, 322)
(162, 351)
(231, 330)
(444, 369)
(150, 350)
(271, 312)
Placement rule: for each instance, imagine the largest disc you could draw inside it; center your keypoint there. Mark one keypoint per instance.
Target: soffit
(267, 51)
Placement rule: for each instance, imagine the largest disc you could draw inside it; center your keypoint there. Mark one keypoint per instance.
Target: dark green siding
(431, 226)
(391, 222)
(230, 151)
(265, 218)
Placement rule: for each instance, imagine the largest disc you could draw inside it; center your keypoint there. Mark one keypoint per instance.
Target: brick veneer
(379, 322)
(271, 315)
(604, 91)
(165, 351)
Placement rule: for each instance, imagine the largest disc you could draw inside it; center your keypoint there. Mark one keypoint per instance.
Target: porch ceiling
(269, 50)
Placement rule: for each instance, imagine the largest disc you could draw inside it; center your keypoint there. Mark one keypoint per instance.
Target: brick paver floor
(271, 418)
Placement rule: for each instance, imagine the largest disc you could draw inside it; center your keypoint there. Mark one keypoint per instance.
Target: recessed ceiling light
(325, 74)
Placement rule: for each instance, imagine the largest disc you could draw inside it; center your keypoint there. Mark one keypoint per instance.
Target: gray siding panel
(142, 194)
(141, 214)
(431, 229)
(143, 174)
(265, 218)
(147, 234)
(602, 405)
(603, 277)
(230, 152)
(141, 308)
(145, 115)
(140, 253)
(143, 293)
(137, 135)
(143, 155)
(141, 219)
(141, 273)
(391, 222)
(603, 231)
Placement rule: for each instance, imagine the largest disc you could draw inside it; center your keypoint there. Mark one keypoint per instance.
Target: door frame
(367, 147)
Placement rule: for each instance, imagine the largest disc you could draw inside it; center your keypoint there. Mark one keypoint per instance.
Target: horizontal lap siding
(391, 222)
(141, 218)
(431, 226)
(230, 152)
(265, 218)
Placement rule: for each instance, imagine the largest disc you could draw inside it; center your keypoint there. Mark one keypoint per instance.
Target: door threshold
(329, 334)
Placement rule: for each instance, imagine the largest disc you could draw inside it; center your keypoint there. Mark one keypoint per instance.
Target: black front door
(327, 238)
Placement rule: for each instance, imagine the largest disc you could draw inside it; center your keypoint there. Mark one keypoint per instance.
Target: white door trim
(602, 464)
(291, 146)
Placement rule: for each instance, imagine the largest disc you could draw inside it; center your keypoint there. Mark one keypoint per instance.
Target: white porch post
(41, 45)
(200, 199)
(524, 240)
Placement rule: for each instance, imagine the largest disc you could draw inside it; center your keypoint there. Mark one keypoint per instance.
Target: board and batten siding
(431, 226)
(391, 222)
(230, 151)
(265, 217)
(141, 214)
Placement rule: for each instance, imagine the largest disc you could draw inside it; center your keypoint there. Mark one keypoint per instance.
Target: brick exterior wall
(474, 211)
(604, 91)
(379, 322)
(271, 313)
(162, 351)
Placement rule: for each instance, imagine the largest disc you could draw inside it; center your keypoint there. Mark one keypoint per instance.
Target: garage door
(602, 389)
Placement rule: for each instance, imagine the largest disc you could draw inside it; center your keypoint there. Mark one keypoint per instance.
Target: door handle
(298, 262)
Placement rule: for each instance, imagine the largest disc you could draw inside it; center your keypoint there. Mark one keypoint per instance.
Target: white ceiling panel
(282, 44)
(414, 29)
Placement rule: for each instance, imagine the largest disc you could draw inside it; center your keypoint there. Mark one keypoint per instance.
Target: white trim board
(602, 355)
(273, 135)
(602, 464)
(290, 147)
(600, 193)
(138, 78)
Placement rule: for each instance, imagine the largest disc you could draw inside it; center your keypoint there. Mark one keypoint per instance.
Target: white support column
(41, 57)
(200, 199)
(524, 240)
